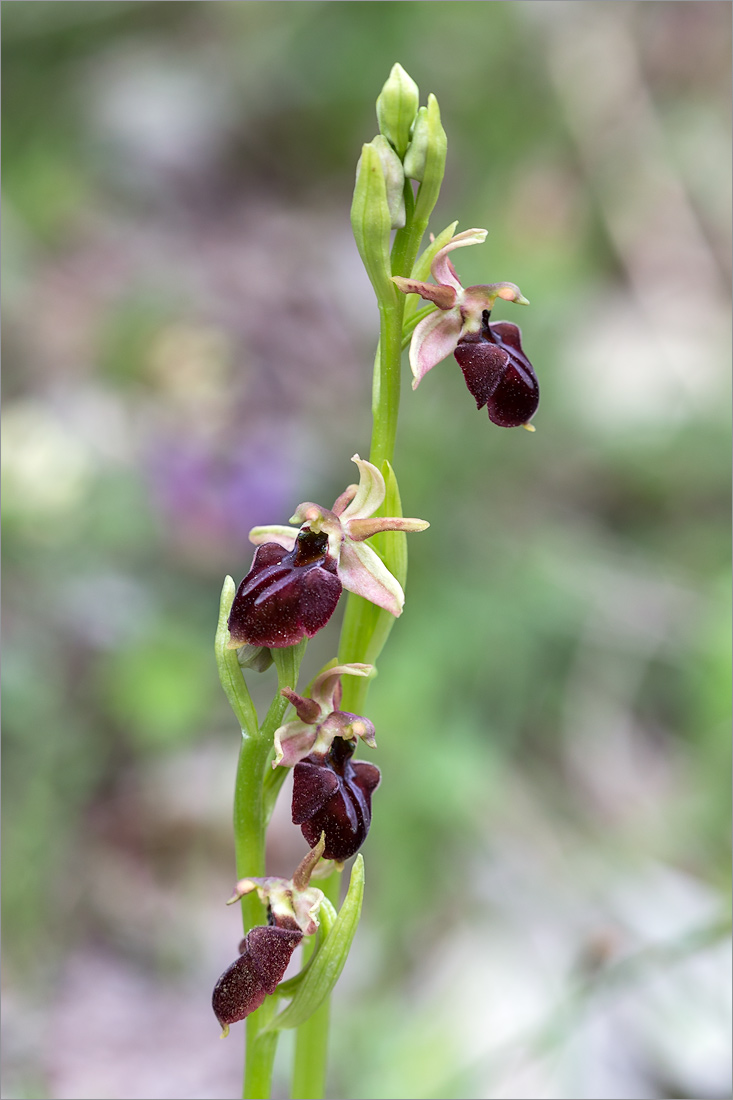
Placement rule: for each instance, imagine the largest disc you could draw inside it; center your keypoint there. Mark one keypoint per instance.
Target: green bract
(371, 221)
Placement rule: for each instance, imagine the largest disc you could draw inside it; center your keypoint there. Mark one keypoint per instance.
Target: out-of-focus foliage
(188, 341)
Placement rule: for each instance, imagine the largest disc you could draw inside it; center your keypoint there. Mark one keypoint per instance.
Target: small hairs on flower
(242, 988)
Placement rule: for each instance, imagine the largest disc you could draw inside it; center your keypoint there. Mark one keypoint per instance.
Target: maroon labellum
(287, 595)
(334, 796)
(498, 373)
(264, 958)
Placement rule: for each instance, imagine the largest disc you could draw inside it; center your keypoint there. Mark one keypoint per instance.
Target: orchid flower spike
(351, 520)
(496, 370)
(320, 719)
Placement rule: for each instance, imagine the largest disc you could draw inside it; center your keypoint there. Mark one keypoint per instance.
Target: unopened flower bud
(257, 657)
(371, 220)
(396, 108)
(427, 163)
(414, 163)
(394, 181)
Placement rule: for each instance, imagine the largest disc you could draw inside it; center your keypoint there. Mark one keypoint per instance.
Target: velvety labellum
(287, 595)
(333, 795)
(499, 374)
(264, 958)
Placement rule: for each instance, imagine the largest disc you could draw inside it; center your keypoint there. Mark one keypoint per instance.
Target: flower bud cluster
(299, 571)
(411, 145)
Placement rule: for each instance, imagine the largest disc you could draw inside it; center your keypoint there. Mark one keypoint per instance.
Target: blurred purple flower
(218, 496)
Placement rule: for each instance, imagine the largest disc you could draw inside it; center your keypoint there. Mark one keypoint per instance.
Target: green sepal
(371, 222)
(321, 975)
(396, 108)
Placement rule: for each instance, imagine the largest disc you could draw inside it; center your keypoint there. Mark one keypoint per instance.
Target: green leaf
(325, 970)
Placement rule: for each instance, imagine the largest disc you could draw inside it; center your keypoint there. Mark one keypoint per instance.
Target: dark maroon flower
(287, 595)
(496, 370)
(264, 958)
(498, 373)
(334, 796)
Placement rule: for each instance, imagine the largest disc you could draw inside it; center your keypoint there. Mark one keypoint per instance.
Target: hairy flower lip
(264, 956)
(498, 373)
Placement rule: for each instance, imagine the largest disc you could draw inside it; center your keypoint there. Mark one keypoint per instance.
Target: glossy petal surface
(287, 595)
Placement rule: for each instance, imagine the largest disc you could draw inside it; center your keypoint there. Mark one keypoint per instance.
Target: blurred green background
(188, 344)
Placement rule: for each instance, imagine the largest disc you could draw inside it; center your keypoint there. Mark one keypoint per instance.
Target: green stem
(386, 385)
(365, 627)
(311, 1038)
(261, 1050)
